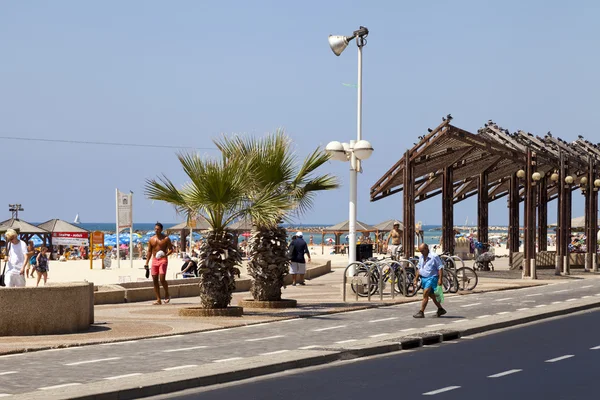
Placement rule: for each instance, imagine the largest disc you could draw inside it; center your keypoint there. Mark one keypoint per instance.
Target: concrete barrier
(47, 310)
(109, 294)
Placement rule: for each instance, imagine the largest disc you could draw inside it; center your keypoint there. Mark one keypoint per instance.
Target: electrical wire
(161, 146)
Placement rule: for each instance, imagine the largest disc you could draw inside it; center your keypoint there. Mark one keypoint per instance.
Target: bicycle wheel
(449, 282)
(467, 278)
(362, 273)
(409, 278)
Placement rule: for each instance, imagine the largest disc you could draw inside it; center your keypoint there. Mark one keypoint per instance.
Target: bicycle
(467, 278)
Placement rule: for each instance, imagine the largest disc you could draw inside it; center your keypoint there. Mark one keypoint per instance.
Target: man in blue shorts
(431, 269)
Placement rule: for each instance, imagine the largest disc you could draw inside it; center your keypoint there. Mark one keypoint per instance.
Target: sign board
(124, 209)
(98, 238)
(70, 238)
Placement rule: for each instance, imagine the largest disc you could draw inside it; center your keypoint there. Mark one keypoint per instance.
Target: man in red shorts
(159, 250)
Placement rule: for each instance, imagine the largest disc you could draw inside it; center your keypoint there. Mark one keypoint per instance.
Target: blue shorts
(429, 282)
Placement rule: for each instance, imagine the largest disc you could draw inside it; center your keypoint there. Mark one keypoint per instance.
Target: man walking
(298, 264)
(17, 260)
(395, 236)
(431, 269)
(159, 250)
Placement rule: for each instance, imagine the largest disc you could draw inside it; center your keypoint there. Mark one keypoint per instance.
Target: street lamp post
(355, 151)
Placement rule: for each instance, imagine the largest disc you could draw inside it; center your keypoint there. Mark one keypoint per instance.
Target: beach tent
(199, 225)
(387, 226)
(65, 233)
(26, 230)
(242, 225)
(344, 227)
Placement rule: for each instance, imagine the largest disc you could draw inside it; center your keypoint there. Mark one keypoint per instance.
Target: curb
(158, 384)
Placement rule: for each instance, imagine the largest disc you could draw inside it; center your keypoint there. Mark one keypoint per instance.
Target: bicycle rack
(354, 278)
(376, 266)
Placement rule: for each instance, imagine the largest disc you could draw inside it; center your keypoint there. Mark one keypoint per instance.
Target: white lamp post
(355, 150)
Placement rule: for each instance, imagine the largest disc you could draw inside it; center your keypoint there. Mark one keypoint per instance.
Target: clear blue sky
(182, 72)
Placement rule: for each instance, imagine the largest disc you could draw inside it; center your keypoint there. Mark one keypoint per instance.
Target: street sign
(70, 238)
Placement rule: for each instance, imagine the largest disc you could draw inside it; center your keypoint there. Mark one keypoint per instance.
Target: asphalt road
(128, 360)
(557, 359)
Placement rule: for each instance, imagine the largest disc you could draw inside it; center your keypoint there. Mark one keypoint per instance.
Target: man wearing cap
(395, 236)
(298, 264)
(189, 269)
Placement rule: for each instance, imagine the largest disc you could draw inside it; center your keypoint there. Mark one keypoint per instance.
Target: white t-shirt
(16, 257)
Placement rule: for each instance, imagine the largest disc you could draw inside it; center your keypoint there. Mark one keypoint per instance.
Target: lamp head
(520, 174)
(338, 43)
(536, 176)
(554, 177)
(583, 181)
(363, 149)
(336, 151)
(569, 180)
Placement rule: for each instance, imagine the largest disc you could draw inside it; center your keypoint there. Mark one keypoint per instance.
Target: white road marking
(522, 309)
(59, 386)
(469, 305)
(430, 312)
(460, 320)
(483, 316)
(556, 302)
(165, 337)
(501, 374)
(586, 297)
(114, 343)
(559, 358)
(229, 359)
(534, 294)
(468, 337)
(585, 287)
(346, 341)
(8, 373)
(180, 367)
(442, 390)
(110, 378)
(431, 326)
(314, 346)
(274, 352)
(379, 335)
(528, 301)
(383, 319)
(184, 349)
(93, 361)
(331, 327)
(541, 305)
(264, 338)
(357, 311)
(408, 329)
(570, 299)
(597, 294)
(595, 348)
(504, 299)
(503, 312)
(561, 291)
(5, 394)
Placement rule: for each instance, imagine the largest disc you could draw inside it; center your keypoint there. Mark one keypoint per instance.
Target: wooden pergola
(493, 164)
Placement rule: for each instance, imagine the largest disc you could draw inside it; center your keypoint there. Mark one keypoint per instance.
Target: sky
(180, 73)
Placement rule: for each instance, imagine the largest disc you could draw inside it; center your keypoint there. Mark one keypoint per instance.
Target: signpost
(125, 220)
(96, 239)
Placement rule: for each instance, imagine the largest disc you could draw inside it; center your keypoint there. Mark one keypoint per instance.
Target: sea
(431, 233)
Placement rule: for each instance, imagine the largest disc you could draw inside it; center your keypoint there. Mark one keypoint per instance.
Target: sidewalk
(323, 295)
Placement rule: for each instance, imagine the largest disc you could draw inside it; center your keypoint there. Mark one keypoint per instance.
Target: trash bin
(364, 251)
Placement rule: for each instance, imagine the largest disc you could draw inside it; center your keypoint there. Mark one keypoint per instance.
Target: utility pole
(14, 209)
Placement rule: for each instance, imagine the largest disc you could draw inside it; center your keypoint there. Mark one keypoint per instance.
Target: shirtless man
(159, 250)
(395, 236)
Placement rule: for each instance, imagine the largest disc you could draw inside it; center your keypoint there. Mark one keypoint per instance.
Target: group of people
(22, 261)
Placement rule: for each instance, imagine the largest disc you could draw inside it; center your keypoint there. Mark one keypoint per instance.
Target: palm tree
(217, 191)
(276, 167)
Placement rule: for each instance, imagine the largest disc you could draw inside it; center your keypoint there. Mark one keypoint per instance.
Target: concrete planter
(211, 312)
(284, 303)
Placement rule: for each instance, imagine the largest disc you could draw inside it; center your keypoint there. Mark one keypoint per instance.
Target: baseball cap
(299, 234)
(186, 257)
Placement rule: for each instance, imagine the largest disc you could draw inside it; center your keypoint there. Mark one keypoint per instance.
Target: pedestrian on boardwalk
(30, 265)
(298, 263)
(41, 266)
(431, 269)
(17, 260)
(159, 250)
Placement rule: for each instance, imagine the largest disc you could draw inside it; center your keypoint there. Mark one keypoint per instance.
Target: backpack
(291, 251)
(33, 260)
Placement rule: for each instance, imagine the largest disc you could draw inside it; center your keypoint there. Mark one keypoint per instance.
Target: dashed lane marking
(8, 373)
(264, 338)
(570, 299)
(5, 394)
(585, 287)
(59, 386)
(346, 341)
(504, 299)
(522, 309)
(93, 361)
(460, 320)
(540, 306)
(379, 335)
(110, 378)
(595, 348)
(561, 291)
(184, 349)
(534, 294)
(556, 302)
(559, 358)
(274, 352)
(503, 313)
(407, 329)
(329, 328)
(180, 367)
(314, 346)
(471, 305)
(501, 374)
(442, 390)
(434, 325)
(228, 359)
(483, 316)
(383, 319)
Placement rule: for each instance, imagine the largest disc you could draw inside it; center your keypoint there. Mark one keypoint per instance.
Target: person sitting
(189, 269)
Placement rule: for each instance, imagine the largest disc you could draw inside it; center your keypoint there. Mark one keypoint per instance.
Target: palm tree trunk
(218, 260)
(268, 264)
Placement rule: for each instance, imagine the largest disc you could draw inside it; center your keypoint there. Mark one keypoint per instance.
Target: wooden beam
(542, 205)
(482, 208)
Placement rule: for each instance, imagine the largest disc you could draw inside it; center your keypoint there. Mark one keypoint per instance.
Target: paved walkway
(323, 295)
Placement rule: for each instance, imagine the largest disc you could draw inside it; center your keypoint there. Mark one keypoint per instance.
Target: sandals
(157, 303)
(167, 300)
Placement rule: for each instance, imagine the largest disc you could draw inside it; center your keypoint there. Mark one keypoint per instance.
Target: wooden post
(530, 228)
(409, 208)
(513, 217)
(567, 232)
(560, 228)
(593, 235)
(482, 208)
(542, 215)
(448, 210)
